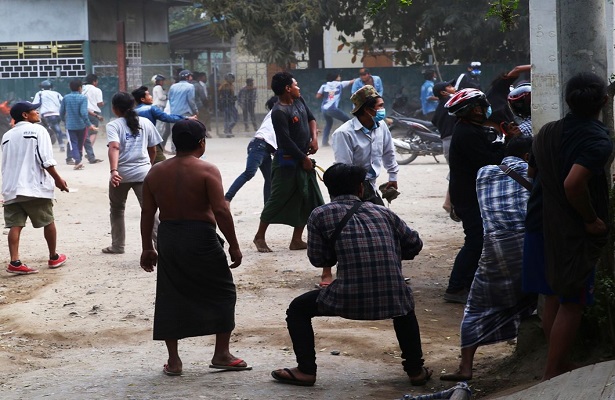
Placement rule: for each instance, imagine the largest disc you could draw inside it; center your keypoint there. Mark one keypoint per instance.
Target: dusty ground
(84, 330)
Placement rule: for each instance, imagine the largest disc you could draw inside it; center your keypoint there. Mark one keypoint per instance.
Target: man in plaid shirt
(369, 285)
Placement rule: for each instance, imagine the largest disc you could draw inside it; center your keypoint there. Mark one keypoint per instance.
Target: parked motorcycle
(404, 107)
(413, 137)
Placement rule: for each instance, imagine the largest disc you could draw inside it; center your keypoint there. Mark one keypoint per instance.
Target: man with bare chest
(195, 292)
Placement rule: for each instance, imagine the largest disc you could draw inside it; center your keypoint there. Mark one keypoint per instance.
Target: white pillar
(545, 63)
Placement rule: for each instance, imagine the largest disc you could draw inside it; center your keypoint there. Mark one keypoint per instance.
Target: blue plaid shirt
(74, 111)
(368, 252)
(502, 200)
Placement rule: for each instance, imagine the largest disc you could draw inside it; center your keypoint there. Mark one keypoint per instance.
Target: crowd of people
(507, 189)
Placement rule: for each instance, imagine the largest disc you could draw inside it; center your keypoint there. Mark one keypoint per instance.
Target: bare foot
(457, 376)
(261, 246)
(325, 280)
(447, 208)
(172, 368)
(301, 245)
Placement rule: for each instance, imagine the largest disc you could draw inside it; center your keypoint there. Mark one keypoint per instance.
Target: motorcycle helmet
(464, 100)
(520, 100)
(184, 74)
(46, 85)
(157, 78)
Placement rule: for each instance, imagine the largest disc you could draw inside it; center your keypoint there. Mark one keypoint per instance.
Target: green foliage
(452, 30)
(181, 17)
(505, 10)
(601, 316)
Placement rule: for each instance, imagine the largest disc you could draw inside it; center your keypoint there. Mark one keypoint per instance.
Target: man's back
(50, 102)
(502, 200)
(184, 188)
(182, 98)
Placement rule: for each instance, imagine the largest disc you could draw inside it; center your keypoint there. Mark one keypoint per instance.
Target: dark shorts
(534, 274)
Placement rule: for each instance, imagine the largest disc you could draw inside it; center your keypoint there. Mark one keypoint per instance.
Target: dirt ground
(85, 330)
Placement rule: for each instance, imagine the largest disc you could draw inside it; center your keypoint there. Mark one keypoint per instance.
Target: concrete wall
(43, 20)
(144, 21)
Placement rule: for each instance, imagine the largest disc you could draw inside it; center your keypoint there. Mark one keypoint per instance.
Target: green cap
(359, 97)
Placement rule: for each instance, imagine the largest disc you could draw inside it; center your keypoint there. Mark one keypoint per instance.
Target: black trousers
(299, 322)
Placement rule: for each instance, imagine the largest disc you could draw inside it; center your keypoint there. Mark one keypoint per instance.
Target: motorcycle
(414, 137)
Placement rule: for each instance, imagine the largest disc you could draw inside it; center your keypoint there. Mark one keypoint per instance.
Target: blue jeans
(329, 115)
(466, 262)
(77, 138)
(259, 157)
(53, 122)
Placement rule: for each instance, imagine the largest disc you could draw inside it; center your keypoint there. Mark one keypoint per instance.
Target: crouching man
(367, 242)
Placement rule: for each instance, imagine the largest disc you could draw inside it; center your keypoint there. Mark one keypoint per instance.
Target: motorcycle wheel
(403, 156)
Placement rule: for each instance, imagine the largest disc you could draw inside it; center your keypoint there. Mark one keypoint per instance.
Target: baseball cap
(184, 74)
(22, 107)
(440, 86)
(359, 97)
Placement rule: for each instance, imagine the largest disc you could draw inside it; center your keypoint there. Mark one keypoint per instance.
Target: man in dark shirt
(471, 149)
(570, 158)
(294, 188)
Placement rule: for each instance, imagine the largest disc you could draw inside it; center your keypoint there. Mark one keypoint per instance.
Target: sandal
(111, 250)
(79, 167)
(422, 379)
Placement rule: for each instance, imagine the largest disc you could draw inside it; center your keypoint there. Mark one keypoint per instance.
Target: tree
(455, 30)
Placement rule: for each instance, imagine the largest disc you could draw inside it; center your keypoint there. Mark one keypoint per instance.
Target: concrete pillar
(545, 63)
(582, 38)
(566, 37)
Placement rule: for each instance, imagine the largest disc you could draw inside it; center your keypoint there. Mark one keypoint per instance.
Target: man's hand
(100, 117)
(313, 146)
(392, 184)
(236, 257)
(149, 258)
(115, 178)
(93, 128)
(61, 184)
(596, 228)
(194, 117)
(307, 164)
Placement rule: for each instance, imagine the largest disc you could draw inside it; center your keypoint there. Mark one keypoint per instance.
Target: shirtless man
(195, 293)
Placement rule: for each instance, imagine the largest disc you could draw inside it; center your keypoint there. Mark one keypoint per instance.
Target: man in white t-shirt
(28, 179)
(331, 92)
(260, 150)
(95, 101)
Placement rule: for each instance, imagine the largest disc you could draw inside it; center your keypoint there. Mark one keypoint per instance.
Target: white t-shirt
(94, 96)
(50, 100)
(266, 131)
(26, 152)
(332, 91)
(133, 162)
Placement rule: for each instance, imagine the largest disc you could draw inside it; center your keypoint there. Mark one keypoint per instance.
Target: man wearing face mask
(365, 141)
(471, 149)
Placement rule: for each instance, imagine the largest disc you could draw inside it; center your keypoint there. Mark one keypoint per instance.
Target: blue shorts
(534, 278)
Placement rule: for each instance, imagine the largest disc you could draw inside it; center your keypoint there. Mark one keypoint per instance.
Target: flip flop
(322, 285)
(79, 167)
(166, 371)
(422, 380)
(233, 366)
(454, 377)
(111, 250)
(292, 380)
